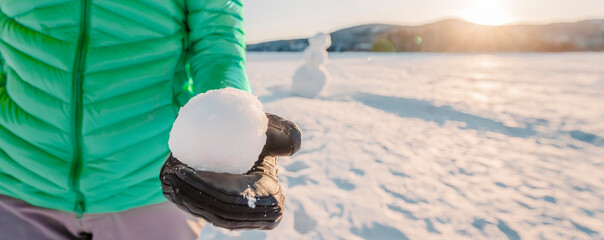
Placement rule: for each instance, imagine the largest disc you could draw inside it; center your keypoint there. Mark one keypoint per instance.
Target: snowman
(310, 78)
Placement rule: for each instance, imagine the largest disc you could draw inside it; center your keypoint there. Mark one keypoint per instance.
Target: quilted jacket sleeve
(217, 45)
(2, 75)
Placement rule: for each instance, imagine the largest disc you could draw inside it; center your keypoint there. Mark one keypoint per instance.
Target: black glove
(225, 199)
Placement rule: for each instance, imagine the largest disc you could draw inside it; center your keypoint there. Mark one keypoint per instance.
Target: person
(88, 93)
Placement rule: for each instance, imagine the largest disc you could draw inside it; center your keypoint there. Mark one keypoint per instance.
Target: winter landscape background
(455, 35)
(440, 146)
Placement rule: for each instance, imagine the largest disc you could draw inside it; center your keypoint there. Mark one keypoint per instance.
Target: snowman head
(321, 40)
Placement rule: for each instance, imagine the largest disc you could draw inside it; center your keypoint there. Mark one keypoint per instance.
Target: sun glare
(486, 12)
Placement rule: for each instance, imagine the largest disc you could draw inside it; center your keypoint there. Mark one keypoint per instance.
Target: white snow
(440, 146)
(220, 130)
(316, 54)
(310, 79)
(250, 196)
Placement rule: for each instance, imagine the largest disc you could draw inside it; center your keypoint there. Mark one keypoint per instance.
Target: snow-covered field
(440, 146)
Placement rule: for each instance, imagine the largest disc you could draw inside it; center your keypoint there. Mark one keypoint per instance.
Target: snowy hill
(458, 36)
(440, 146)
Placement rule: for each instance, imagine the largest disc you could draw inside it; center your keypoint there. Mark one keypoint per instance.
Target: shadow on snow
(426, 110)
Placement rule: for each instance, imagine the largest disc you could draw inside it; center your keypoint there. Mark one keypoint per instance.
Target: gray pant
(20, 220)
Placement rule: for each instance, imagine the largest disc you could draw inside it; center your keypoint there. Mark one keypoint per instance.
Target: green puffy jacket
(89, 90)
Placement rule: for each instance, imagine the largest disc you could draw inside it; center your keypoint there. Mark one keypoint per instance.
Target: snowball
(309, 82)
(315, 54)
(314, 57)
(220, 130)
(321, 40)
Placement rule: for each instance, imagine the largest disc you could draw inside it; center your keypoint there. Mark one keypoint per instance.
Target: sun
(486, 12)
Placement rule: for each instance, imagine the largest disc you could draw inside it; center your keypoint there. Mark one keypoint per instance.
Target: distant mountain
(457, 36)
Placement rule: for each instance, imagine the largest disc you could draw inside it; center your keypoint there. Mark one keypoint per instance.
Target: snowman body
(312, 76)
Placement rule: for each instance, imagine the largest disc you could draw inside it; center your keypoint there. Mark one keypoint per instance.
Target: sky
(285, 19)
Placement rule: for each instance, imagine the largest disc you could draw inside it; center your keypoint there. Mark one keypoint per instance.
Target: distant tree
(382, 45)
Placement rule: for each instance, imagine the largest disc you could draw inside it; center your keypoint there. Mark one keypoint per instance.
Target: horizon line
(517, 23)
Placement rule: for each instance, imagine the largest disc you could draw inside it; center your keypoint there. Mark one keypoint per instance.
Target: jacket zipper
(78, 75)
